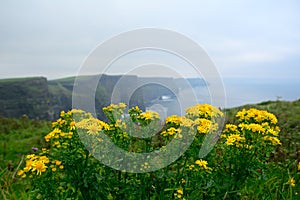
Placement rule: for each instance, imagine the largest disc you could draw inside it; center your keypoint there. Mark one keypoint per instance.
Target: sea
(242, 91)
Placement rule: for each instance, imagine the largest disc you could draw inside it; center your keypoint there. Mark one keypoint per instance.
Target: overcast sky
(254, 39)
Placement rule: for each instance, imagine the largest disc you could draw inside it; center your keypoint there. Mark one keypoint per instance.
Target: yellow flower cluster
(206, 111)
(136, 110)
(112, 107)
(186, 122)
(149, 115)
(182, 181)
(256, 128)
(120, 124)
(231, 128)
(234, 139)
(55, 164)
(171, 131)
(64, 127)
(257, 124)
(191, 167)
(144, 166)
(173, 119)
(179, 194)
(92, 125)
(35, 164)
(57, 133)
(205, 125)
(256, 116)
(274, 140)
(203, 164)
(291, 182)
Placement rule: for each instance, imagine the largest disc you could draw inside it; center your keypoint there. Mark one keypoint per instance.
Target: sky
(245, 39)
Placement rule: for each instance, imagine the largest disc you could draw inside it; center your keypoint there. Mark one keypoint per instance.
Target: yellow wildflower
(94, 128)
(186, 122)
(72, 125)
(28, 165)
(170, 131)
(62, 122)
(291, 182)
(145, 166)
(231, 128)
(57, 144)
(273, 132)
(62, 113)
(105, 126)
(44, 159)
(258, 116)
(112, 107)
(149, 115)
(70, 134)
(182, 181)
(205, 125)
(53, 134)
(57, 162)
(203, 164)
(178, 194)
(191, 167)
(178, 135)
(206, 111)
(274, 140)
(237, 137)
(92, 125)
(173, 119)
(31, 156)
(76, 111)
(21, 173)
(248, 146)
(230, 141)
(39, 167)
(252, 127)
(120, 124)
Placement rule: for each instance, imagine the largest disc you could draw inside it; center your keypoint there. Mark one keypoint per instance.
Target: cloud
(39, 37)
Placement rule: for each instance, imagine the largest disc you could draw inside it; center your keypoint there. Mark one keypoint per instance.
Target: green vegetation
(18, 136)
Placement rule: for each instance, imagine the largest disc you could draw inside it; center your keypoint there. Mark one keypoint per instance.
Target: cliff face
(28, 96)
(41, 99)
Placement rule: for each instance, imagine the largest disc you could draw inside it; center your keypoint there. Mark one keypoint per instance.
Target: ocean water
(240, 91)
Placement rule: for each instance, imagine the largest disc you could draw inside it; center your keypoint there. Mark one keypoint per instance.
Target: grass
(13, 80)
(18, 136)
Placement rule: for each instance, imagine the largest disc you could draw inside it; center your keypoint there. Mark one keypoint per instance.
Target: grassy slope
(17, 137)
